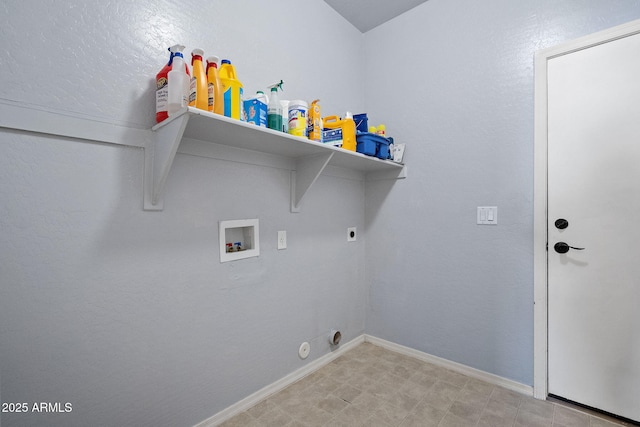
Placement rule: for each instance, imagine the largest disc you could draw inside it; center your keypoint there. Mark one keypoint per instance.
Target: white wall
(126, 314)
(457, 87)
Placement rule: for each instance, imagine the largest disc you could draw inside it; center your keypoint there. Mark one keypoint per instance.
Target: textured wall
(129, 315)
(457, 87)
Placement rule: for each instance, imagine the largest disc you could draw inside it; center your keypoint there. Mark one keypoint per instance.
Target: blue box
(255, 112)
(372, 145)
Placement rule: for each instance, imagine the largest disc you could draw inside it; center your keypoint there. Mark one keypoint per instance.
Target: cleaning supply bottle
(315, 121)
(162, 87)
(262, 97)
(178, 82)
(349, 132)
(348, 128)
(231, 90)
(215, 98)
(382, 131)
(198, 90)
(274, 109)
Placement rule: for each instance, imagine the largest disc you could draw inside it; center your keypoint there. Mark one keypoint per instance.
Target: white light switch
(488, 215)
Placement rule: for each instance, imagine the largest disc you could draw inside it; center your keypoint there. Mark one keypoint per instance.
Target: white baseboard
(282, 383)
(457, 367)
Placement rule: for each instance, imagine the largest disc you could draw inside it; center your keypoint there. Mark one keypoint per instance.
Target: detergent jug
(231, 90)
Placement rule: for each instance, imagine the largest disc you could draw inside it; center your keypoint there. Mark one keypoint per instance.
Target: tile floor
(373, 386)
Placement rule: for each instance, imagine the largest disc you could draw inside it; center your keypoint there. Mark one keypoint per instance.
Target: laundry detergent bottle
(214, 86)
(198, 89)
(231, 90)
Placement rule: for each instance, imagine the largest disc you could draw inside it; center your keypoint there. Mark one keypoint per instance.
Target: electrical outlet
(351, 234)
(282, 240)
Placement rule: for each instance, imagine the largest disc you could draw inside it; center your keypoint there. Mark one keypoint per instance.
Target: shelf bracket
(308, 169)
(400, 173)
(158, 158)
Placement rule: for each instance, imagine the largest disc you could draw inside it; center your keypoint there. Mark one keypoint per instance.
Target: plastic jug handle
(330, 119)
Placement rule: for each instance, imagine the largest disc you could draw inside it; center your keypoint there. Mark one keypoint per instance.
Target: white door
(594, 186)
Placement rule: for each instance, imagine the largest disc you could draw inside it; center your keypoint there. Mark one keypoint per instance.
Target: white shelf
(310, 157)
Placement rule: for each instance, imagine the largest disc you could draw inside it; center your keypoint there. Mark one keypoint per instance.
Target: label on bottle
(210, 96)
(192, 91)
(162, 95)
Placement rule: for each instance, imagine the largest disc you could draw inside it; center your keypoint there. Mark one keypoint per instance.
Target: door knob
(563, 248)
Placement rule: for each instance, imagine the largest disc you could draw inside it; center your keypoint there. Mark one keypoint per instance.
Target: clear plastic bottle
(178, 82)
(162, 86)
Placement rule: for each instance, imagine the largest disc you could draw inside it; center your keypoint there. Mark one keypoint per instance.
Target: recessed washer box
(239, 239)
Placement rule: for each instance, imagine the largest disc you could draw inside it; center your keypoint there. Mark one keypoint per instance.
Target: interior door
(594, 203)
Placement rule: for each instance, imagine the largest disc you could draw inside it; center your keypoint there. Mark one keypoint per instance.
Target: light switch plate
(282, 240)
(487, 215)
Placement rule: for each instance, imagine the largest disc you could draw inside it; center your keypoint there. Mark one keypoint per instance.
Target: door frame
(540, 232)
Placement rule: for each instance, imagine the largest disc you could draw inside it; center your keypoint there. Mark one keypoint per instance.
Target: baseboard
(282, 383)
(279, 385)
(457, 367)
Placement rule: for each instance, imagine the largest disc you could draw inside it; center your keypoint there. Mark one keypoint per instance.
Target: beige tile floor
(373, 386)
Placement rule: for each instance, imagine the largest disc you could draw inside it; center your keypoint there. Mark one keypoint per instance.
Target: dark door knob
(563, 248)
(561, 224)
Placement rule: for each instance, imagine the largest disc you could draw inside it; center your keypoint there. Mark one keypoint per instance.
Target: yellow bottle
(348, 127)
(231, 90)
(315, 121)
(199, 95)
(215, 98)
(349, 133)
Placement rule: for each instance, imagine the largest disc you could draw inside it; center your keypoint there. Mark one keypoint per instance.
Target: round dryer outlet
(304, 350)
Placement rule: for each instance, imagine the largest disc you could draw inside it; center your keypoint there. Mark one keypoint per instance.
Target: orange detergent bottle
(215, 99)
(199, 94)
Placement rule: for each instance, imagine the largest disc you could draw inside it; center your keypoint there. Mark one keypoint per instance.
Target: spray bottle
(274, 110)
(162, 87)
(198, 90)
(178, 82)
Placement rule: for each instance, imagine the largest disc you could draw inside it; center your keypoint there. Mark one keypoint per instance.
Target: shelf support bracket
(308, 169)
(158, 158)
(400, 173)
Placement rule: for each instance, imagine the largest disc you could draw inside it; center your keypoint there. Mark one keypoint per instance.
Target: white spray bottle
(178, 82)
(274, 110)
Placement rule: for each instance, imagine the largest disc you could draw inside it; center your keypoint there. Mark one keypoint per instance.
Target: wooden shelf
(310, 157)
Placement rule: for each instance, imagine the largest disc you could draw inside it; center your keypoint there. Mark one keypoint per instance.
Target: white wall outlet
(351, 234)
(282, 240)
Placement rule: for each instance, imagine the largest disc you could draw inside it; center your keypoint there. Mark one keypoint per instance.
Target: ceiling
(368, 14)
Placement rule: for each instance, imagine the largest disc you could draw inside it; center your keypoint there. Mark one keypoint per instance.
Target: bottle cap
(226, 61)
